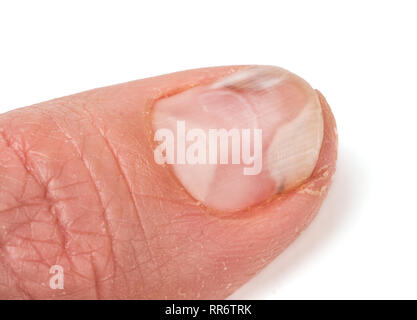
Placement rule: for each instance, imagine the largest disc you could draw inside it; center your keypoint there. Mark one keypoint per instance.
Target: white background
(360, 54)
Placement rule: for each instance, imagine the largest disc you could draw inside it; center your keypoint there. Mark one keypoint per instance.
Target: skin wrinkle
(104, 216)
(130, 192)
(60, 226)
(63, 234)
(4, 253)
(127, 183)
(156, 266)
(23, 160)
(96, 280)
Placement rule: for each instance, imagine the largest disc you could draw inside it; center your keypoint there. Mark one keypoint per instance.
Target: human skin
(79, 188)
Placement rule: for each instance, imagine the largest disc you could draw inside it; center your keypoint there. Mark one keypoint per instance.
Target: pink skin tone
(79, 187)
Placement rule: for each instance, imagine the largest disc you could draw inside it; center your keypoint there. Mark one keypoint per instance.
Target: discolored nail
(242, 139)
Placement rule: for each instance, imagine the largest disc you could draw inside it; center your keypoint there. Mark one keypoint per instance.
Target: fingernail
(239, 141)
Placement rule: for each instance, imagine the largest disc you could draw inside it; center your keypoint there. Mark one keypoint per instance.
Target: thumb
(121, 187)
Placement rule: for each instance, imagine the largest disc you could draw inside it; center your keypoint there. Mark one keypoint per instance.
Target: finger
(80, 188)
